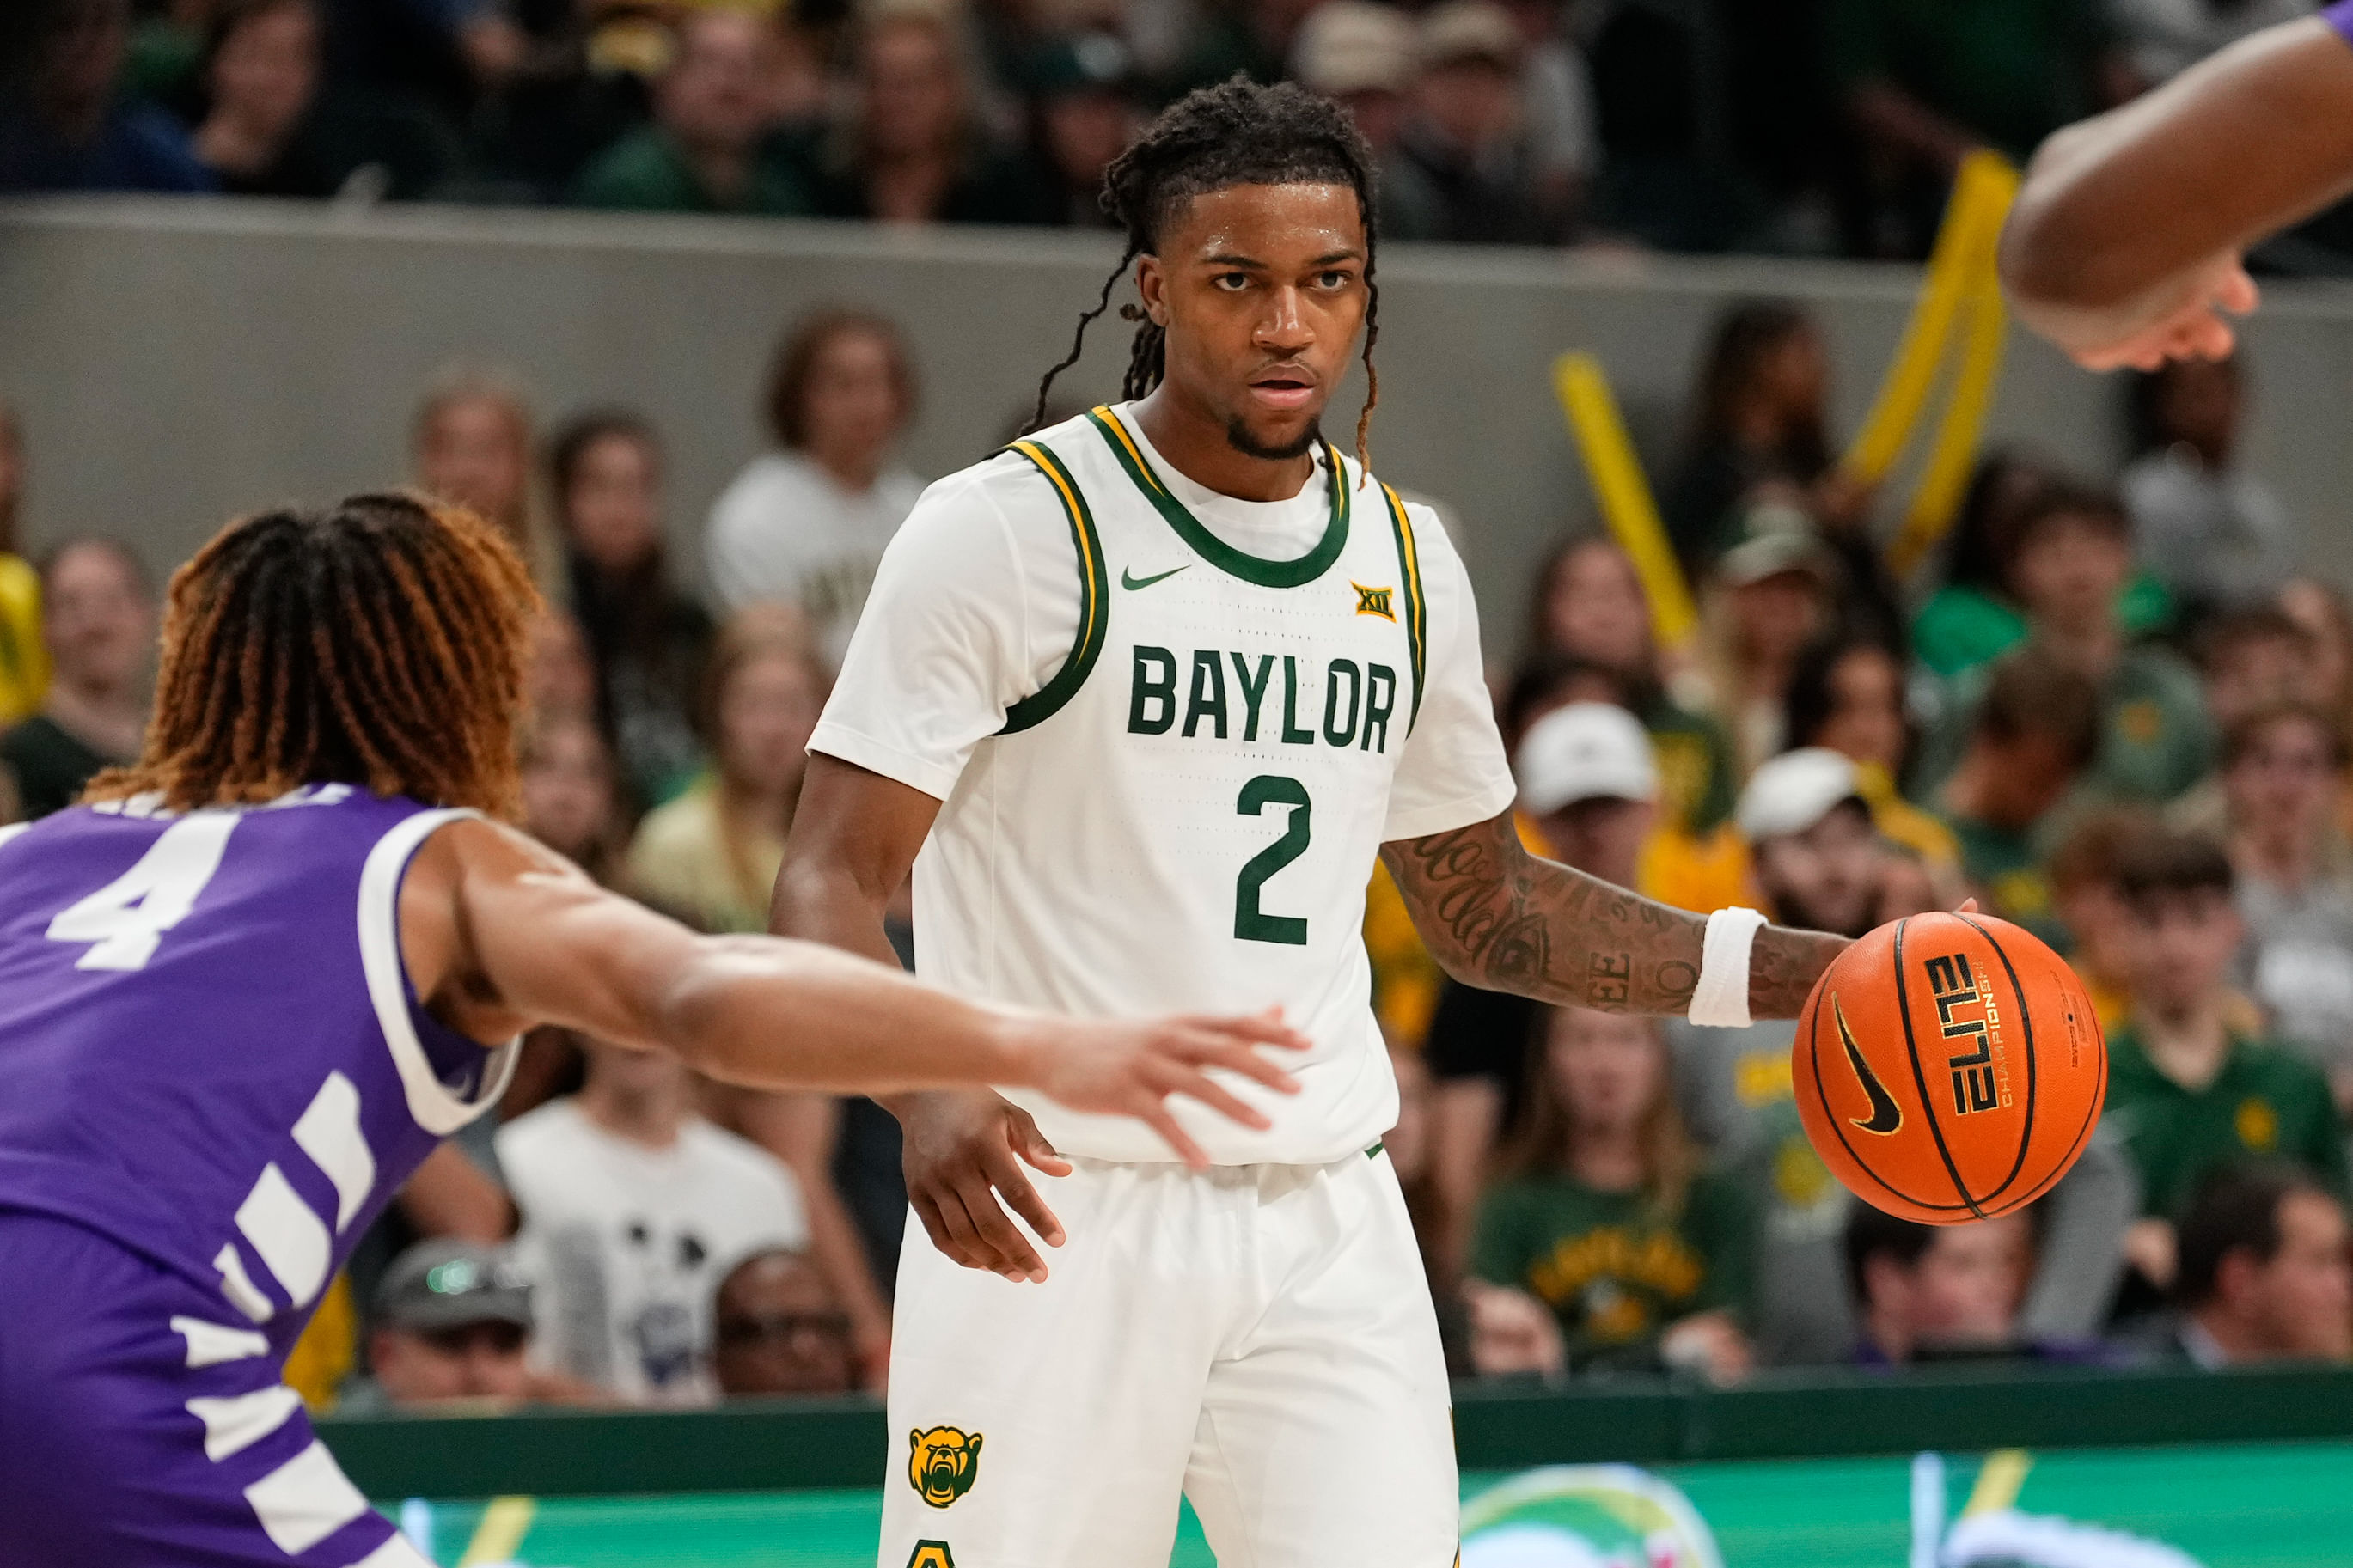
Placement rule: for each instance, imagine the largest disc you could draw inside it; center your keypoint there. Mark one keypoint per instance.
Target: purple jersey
(2340, 17)
(212, 1052)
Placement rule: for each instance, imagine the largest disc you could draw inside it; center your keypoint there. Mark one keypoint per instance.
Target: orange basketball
(1949, 1068)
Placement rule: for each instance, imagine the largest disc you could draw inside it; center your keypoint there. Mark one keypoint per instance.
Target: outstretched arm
(499, 933)
(1496, 916)
(2125, 242)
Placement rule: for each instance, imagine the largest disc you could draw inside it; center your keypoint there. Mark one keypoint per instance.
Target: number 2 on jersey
(127, 918)
(1250, 923)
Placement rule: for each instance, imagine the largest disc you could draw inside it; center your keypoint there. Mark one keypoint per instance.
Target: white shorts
(1257, 1337)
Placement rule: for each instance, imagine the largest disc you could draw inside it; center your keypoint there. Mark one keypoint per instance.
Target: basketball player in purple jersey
(2125, 246)
(250, 985)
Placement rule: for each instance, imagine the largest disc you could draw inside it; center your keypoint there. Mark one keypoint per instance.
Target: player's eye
(1333, 280)
(1232, 282)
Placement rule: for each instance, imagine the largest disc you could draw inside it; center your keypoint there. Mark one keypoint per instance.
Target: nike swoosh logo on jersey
(1885, 1116)
(1128, 579)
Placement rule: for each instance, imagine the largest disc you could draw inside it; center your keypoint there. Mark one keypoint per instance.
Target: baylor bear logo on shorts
(942, 1463)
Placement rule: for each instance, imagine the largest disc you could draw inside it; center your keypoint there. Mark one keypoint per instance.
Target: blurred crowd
(2114, 713)
(1798, 127)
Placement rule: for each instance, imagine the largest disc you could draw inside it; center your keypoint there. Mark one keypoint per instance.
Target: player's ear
(1152, 282)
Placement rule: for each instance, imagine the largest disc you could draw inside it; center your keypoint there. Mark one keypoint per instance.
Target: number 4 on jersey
(127, 918)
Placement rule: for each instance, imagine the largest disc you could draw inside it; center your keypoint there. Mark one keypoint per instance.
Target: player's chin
(1275, 433)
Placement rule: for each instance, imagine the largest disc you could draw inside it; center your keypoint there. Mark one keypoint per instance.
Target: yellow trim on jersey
(1417, 608)
(1094, 591)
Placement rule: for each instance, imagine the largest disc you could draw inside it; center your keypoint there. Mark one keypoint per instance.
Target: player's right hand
(2183, 319)
(962, 1153)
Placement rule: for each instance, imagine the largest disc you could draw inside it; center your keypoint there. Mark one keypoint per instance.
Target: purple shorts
(143, 1423)
(2340, 17)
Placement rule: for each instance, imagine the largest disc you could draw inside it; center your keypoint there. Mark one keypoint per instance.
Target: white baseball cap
(1794, 791)
(1583, 752)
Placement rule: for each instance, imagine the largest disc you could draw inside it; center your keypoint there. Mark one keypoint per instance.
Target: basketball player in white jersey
(1139, 700)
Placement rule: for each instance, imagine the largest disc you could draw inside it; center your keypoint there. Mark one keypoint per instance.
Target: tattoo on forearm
(1496, 916)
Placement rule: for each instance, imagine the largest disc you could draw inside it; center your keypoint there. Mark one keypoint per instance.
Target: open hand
(1131, 1067)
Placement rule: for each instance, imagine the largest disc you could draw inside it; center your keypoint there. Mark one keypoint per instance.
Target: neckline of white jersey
(1127, 449)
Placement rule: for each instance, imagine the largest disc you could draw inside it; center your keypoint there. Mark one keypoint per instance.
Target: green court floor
(2250, 1505)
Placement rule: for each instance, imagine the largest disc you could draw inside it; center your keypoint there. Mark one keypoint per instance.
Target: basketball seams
(1836, 1123)
(1920, 1081)
(2026, 1022)
(2091, 1116)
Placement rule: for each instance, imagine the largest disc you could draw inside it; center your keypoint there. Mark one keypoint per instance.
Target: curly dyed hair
(379, 642)
(1237, 133)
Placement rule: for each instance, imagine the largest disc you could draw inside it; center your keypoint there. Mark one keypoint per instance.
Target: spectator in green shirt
(2030, 738)
(2191, 1095)
(711, 147)
(2068, 567)
(1605, 1216)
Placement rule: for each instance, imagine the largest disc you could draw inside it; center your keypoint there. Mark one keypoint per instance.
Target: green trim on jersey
(1094, 599)
(1208, 546)
(1417, 611)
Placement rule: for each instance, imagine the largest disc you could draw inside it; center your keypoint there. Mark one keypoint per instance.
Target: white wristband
(1721, 997)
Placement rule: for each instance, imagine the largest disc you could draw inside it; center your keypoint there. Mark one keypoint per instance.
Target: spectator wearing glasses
(779, 1329)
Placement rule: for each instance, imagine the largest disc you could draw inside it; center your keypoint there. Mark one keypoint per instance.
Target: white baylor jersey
(1180, 811)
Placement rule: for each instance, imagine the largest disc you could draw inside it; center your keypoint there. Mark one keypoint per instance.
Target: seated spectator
(1604, 1215)
(471, 443)
(2321, 610)
(2284, 770)
(1760, 417)
(1768, 597)
(779, 1329)
(2263, 1273)
(711, 857)
(806, 524)
(1589, 606)
(2068, 567)
(1974, 618)
(451, 1324)
(64, 123)
(24, 658)
(2190, 1093)
(570, 797)
(2035, 733)
(261, 68)
(914, 148)
(634, 1209)
(1360, 53)
(649, 638)
(1251, 37)
(2159, 39)
(99, 617)
(2214, 534)
(1930, 1291)
(1846, 693)
(1462, 153)
(711, 146)
(2248, 659)
(1080, 92)
(2089, 901)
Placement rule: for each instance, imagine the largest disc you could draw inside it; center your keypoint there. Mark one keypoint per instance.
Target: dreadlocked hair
(378, 643)
(1237, 133)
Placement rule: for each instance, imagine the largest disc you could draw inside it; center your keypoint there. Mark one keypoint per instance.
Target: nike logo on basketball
(1885, 1116)
(1128, 579)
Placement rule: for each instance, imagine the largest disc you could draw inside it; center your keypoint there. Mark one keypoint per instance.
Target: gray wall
(176, 362)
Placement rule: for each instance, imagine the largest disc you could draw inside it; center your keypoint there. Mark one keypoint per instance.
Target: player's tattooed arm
(1498, 917)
